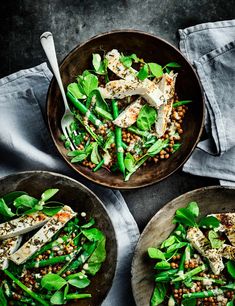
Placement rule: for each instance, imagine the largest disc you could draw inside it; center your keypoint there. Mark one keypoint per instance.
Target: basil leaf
(147, 116)
(173, 65)
(49, 193)
(5, 211)
(193, 208)
(155, 69)
(155, 253)
(52, 282)
(25, 201)
(57, 298)
(90, 82)
(95, 157)
(75, 90)
(162, 265)
(129, 162)
(209, 222)
(159, 294)
(231, 268)
(143, 73)
(216, 243)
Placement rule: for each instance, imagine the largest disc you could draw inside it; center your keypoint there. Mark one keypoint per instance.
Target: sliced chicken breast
(227, 221)
(8, 247)
(215, 261)
(198, 240)
(44, 235)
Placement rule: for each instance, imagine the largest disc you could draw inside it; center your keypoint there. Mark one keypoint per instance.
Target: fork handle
(48, 45)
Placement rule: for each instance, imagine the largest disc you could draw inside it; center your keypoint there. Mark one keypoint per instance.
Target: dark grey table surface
(73, 22)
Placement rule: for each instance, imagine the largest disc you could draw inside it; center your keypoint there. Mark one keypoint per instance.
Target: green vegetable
(5, 211)
(209, 222)
(118, 139)
(179, 103)
(95, 157)
(231, 268)
(162, 265)
(97, 257)
(168, 242)
(156, 253)
(185, 216)
(103, 113)
(189, 274)
(212, 280)
(3, 301)
(158, 295)
(127, 60)
(52, 282)
(48, 194)
(216, 243)
(155, 69)
(25, 288)
(146, 118)
(143, 73)
(176, 246)
(176, 146)
(189, 302)
(193, 208)
(82, 280)
(74, 296)
(173, 65)
(80, 155)
(74, 89)
(49, 262)
(203, 294)
(100, 164)
(99, 65)
(11, 196)
(136, 131)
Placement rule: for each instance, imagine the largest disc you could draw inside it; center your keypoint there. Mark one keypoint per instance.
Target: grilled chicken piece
(44, 235)
(198, 240)
(129, 115)
(227, 221)
(120, 89)
(153, 95)
(8, 247)
(227, 251)
(22, 225)
(215, 260)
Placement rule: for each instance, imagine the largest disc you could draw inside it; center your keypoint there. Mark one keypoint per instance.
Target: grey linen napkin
(210, 47)
(25, 144)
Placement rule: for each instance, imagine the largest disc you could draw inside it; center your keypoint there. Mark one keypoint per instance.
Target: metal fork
(48, 45)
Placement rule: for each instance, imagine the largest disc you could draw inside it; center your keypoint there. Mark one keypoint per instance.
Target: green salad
(48, 252)
(126, 114)
(195, 265)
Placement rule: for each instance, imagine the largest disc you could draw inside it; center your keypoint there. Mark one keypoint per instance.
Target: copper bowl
(80, 198)
(152, 49)
(211, 200)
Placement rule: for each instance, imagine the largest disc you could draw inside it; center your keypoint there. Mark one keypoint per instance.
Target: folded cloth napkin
(25, 144)
(210, 47)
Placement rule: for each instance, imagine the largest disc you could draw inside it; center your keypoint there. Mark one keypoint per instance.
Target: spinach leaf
(231, 303)
(180, 232)
(176, 246)
(216, 243)
(109, 140)
(89, 224)
(93, 234)
(162, 265)
(155, 253)
(209, 222)
(3, 300)
(155, 69)
(143, 73)
(231, 268)
(173, 65)
(95, 157)
(78, 280)
(99, 65)
(129, 162)
(58, 298)
(75, 90)
(97, 258)
(5, 211)
(127, 60)
(159, 294)
(90, 82)
(230, 286)
(80, 155)
(169, 241)
(189, 302)
(49, 193)
(193, 208)
(147, 116)
(157, 147)
(25, 201)
(51, 210)
(10, 197)
(52, 282)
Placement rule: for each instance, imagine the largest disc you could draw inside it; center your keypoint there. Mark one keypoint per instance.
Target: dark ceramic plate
(152, 49)
(80, 199)
(211, 200)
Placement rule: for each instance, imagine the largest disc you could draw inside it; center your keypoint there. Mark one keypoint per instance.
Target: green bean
(118, 140)
(213, 280)
(48, 262)
(74, 296)
(26, 289)
(64, 268)
(85, 111)
(179, 103)
(136, 131)
(125, 146)
(189, 274)
(203, 294)
(103, 113)
(100, 164)
(181, 267)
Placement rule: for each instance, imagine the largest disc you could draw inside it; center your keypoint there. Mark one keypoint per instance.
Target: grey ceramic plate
(80, 199)
(210, 200)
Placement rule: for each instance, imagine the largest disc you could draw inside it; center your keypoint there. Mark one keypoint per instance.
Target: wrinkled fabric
(210, 47)
(25, 144)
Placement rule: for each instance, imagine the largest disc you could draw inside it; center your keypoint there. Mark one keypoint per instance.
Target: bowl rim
(106, 184)
(59, 175)
(152, 220)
